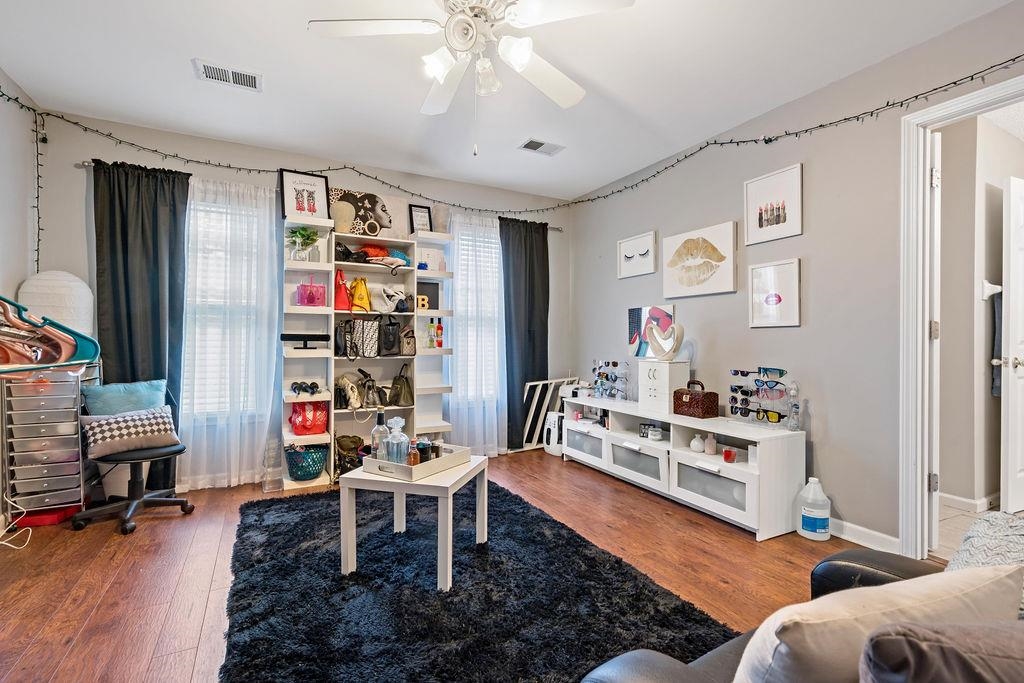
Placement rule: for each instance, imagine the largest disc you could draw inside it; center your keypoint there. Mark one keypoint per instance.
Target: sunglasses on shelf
(772, 416)
(742, 373)
(771, 394)
(741, 390)
(741, 401)
(768, 383)
(744, 412)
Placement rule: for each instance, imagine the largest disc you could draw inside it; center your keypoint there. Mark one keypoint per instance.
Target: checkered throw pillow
(109, 434)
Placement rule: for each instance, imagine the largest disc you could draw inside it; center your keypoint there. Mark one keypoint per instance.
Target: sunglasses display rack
(763, 396)
(611, 379)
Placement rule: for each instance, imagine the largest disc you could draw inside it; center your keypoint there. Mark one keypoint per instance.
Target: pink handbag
(311, 294)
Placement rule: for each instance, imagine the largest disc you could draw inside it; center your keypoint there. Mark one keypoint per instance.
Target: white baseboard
(969, 504)
(864, 536)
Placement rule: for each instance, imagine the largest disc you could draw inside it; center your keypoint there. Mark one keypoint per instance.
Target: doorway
(950, 473)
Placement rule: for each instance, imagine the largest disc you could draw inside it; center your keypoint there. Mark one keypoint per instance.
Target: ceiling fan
(470, 27)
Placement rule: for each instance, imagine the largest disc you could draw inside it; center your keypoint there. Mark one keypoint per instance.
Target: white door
(935, 291)
(1011, 484)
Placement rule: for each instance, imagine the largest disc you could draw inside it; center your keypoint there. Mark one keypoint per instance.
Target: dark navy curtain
(524, 259)
(140, 280)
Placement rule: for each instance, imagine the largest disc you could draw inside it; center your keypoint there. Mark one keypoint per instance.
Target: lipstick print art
(701, 262)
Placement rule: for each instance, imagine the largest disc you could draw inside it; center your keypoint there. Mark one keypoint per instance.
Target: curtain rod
(554, 228)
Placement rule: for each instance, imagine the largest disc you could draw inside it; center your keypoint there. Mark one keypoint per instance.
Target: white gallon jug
(814, 510)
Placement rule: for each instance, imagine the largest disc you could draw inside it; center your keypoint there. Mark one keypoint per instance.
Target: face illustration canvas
(637, 255)
(700, 262)
(773, 206)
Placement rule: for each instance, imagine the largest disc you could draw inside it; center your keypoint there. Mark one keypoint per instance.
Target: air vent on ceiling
(546, 148)
(246, 80)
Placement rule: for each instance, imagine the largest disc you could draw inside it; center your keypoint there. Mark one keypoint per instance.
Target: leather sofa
(846, 569)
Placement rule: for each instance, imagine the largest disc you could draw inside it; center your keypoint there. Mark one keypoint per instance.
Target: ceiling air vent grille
(546, 148)
(246, 80)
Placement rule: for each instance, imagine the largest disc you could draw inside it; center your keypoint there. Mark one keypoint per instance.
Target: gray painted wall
(16, 190)
(959, 187)
(845, 354)
(68, 205)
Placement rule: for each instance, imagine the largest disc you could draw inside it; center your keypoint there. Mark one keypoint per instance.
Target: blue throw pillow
(114, 399)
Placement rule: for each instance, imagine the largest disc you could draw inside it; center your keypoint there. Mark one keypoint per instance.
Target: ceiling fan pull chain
(476, 128)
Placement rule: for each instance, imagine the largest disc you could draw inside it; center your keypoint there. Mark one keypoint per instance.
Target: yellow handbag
(360, 295)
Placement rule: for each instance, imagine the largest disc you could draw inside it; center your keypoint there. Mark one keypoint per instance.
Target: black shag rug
(538, 602)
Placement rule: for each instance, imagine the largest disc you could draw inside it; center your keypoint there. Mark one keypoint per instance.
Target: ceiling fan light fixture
(516, 52)
(438, 64)
(523, 13)
(487, 82)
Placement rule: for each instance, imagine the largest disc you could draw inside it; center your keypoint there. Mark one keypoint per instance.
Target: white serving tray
(451, 456)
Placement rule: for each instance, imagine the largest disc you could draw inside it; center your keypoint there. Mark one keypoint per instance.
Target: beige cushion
(822, 640)
(109, 434)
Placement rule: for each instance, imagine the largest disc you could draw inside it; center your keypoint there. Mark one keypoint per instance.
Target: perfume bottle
(439, 334)
(396, 444)
(431, 334)
(377, 436)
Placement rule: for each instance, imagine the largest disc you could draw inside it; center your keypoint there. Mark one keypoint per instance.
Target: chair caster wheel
(78, 524)
(127, 527)
(188, 508)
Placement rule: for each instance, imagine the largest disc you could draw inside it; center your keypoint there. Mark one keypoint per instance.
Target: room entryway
(971, 204)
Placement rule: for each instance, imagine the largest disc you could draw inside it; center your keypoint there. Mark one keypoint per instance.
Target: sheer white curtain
(478, 403)
(231, 313)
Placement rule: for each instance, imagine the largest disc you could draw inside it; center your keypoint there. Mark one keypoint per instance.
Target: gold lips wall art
(700, 262)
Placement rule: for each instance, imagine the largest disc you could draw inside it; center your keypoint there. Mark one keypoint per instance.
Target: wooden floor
(98, 606)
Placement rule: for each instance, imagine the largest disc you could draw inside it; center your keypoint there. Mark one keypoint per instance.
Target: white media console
(758, 494)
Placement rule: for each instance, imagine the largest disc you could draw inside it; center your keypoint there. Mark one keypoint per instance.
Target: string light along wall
(39, 134)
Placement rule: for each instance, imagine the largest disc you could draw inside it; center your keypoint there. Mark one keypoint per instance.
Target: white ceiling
(660, 77)
(1010, 119)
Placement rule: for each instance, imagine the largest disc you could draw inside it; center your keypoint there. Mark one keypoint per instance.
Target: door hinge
(936, 178)
(933, 482)
(933, 329)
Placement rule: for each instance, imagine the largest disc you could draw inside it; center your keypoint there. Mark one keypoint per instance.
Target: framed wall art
(657, 319)
(359, 213)
(638, 255)
(773, 205)
(775, 294)
(419, 219)
(303, 195)
(700, 262)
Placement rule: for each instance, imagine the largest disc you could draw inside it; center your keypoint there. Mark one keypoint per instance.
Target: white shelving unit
(756, 493)
(433, 373)
(308, 365)
(428, 368)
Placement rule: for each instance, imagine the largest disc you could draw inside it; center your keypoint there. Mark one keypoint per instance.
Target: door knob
(1017, 363)
(999, 362)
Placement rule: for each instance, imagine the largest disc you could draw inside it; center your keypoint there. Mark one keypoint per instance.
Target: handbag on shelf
(310, 294)
(344, 254)
(408, 337)
(368, 394)
(344, 342)
(695, 402)
(390, 337)
(401, 393)
(360, 295)
(384, 299)
(354, 402)
(366, 339)
(406, 304)
(309, 417)
(342, 302)
(340, 397)
(346, 453)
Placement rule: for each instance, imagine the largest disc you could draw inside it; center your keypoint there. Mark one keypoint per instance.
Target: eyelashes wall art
(638, 255)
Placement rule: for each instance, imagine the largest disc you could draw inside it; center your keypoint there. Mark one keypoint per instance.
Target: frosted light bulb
(516, 52)
(438, 64)
(487, 82)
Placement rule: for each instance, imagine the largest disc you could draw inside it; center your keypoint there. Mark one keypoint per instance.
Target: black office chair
(138, 497)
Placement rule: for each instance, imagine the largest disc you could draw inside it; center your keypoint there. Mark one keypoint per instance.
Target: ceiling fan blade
(357, 28)
(441, 94)
(526, 13)
(562, 90)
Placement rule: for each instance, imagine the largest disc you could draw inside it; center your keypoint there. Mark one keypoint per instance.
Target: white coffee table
(441, 486)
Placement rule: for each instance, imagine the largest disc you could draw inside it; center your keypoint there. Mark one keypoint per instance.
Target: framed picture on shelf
(700, 262)
(359, 213)
(419, 219)
(773, 205)
(303, 195)
(638, 255)
(775, 294)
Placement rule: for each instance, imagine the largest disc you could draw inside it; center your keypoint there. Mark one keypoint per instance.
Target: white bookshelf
(433, 371)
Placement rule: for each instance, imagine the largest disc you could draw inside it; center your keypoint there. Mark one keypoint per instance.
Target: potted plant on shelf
(303, 239)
